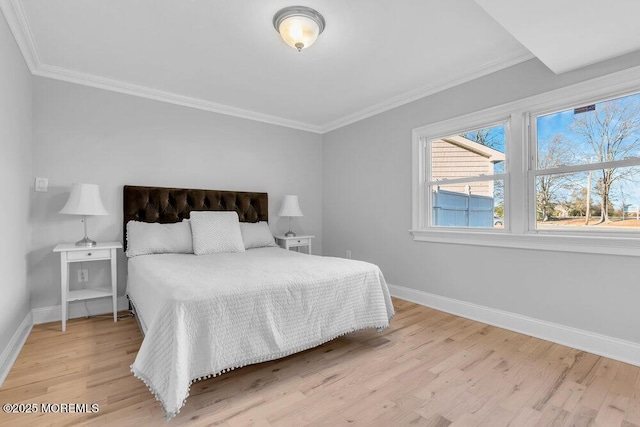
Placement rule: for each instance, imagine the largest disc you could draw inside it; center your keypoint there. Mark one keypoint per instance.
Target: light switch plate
(41, 185)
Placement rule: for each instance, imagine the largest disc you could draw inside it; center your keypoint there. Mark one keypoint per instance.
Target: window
(561, 172)
(465, 173)
(587, 169)
(463, 178)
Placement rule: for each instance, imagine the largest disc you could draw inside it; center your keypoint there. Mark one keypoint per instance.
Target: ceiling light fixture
(299, 26)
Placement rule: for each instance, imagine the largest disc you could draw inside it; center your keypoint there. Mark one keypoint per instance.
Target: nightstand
(295, 242)
(70, 253)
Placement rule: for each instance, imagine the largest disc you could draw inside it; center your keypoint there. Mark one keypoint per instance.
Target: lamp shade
(84, 200)
(290, 207)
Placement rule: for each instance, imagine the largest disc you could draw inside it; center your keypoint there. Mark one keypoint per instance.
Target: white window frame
(534, 172)
(521, 169)
(424, 137)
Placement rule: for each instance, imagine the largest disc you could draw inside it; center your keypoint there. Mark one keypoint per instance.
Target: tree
(551, 154)
(488, 137)
(612, 133)
(578, 203)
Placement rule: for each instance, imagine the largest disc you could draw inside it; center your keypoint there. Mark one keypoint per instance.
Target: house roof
(494, 156)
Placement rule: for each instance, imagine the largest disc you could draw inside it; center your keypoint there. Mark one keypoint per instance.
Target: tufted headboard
(166, 205)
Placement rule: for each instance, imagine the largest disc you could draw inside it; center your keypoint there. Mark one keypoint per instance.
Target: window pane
(602, 132)
(562, 200)
(474, 204)
(475, 153)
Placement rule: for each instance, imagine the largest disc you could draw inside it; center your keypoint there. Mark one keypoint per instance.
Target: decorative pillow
(144, 238)
(216, 232)
(256, 235)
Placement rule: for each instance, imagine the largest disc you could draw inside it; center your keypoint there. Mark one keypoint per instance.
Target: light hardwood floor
(430, 368)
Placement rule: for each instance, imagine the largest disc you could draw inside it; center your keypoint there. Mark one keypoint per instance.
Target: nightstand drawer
(89, 254)
(299, 242)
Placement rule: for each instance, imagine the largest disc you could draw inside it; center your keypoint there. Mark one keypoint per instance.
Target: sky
(559, 123)
(627, 191)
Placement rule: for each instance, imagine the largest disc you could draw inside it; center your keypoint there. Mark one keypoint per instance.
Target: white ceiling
(225, 56)
(570, 34)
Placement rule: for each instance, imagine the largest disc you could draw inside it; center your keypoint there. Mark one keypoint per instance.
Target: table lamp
(84, 200)
(290, 208)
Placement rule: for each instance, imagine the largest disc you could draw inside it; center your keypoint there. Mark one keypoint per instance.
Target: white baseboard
(602, 345)
(77, 309)
(11, 352)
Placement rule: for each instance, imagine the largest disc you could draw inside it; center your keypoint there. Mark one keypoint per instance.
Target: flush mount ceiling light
(299, 26)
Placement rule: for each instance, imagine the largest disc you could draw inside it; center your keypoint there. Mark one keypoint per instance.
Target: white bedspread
(205, 315)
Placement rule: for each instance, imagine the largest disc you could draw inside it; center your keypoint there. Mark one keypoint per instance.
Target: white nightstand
(295, 242)
(69, 253)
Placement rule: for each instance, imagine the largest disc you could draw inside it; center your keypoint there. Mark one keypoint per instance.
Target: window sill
(627, 246)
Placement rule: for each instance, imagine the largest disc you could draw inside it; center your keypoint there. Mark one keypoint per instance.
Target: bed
(203, 315)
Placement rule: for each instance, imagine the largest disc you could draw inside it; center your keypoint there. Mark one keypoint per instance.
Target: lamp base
(289, 234)
(86, 242)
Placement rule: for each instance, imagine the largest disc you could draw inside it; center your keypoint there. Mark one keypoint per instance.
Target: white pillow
(144, 238)
(256, 235)
(216, 232)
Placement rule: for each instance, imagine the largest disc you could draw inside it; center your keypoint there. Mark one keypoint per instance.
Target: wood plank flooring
(429, 368)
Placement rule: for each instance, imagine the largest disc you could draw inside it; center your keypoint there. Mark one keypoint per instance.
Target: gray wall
(89, 135)
(15, 175)
(367, 209)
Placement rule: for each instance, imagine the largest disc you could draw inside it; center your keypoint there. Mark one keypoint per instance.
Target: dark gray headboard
(166, 205)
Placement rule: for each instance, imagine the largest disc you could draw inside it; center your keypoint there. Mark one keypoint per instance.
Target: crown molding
(113, 85)
(19, 25)
(414, 95)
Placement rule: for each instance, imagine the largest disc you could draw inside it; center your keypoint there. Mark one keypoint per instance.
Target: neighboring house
(459, 157)
(561, 210)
